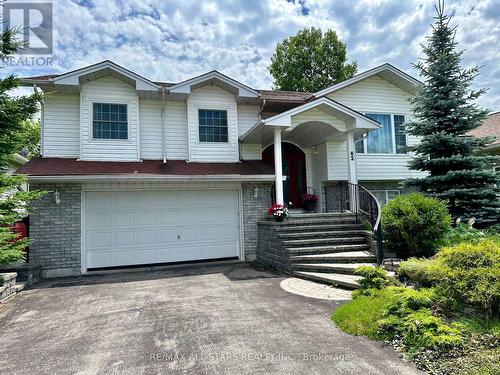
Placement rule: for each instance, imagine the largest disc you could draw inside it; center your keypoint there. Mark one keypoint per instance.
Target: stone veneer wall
(270, 250)
(254, 209)
(55, 230)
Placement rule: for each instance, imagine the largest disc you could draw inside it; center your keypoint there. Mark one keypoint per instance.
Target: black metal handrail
(355, 198)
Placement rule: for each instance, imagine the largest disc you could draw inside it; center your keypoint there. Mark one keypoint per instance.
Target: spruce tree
(445, 110)
(15, 113)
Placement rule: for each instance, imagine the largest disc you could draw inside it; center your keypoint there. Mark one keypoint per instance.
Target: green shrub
(422, 330)
(373, 277)
(414, 225)
(463, 233)
(411, 300)
(416, 269)
(464, 274)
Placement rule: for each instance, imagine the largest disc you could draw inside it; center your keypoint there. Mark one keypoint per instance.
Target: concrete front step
(324, 215)
(318, 221)
(321, 234)
(335, 257)
(319, 228)
(313, 242)
(344, 268)
(316, 250)
(337, 279)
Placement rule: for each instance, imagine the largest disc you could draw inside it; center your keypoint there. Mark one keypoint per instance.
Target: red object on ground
(20, 229)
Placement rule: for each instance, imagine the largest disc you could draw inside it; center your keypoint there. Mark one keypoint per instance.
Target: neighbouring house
(144, 172)
(490, 128)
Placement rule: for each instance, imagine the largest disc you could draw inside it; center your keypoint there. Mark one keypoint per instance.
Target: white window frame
(208, 108)
(386, 193)
(393, 130)
(91, 122)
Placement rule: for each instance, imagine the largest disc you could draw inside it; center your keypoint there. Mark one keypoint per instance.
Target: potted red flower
(278, 211)
(309, 201)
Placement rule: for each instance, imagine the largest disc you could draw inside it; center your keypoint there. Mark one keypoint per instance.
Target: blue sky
(171, 40)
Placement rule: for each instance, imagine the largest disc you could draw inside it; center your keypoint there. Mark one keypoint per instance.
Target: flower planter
(278, 218)
(309, 206)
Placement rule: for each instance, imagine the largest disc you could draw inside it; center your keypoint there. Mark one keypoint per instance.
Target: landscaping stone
(9, 286)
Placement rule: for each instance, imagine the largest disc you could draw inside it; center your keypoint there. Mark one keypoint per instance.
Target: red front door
(294, 168)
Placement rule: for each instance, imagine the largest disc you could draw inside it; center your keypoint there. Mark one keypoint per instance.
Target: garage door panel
(145, 199)
(122, 200)
(100, 259)
(145, 237)
(100, 240)
(145, 218)
(144, 256)
(188, 217)
(124, 257)
(101, 220)
(141, 227)
(170, 254)
(124, 238)
(167, 236)
(123, 219)
(188, 235)
(167, 217)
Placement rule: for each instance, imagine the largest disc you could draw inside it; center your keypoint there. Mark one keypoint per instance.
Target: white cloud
(171, 40)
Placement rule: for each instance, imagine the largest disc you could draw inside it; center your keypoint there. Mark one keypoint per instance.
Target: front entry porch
(294, 172)
(325, 132)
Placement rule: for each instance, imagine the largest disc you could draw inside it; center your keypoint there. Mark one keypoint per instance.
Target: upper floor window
(212, 125)
(390, 138)
(110, 121)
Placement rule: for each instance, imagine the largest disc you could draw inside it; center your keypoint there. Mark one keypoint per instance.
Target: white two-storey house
(143, 172)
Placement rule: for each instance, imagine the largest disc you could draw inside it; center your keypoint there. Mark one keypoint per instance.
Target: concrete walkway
(209, 320)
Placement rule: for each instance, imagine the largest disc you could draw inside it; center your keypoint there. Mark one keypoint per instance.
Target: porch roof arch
(312, 123)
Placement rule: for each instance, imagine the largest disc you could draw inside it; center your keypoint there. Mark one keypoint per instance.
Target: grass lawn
(360, 316)
(480, 353)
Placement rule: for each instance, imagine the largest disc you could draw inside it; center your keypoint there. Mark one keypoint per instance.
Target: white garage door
(143, 227)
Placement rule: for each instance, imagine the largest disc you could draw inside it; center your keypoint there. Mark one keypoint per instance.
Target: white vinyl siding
(61, 126)
(212, 97)
(250, 151)
(176, 125)
(151, 132)
(376, 95)
(337, 161)
(319, 166)
(248, 116)
(109, 90)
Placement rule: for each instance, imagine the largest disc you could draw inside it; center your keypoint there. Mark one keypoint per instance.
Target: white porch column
(351, 169)
(278, 167)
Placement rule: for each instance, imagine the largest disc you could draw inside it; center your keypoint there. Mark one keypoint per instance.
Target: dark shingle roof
(73, 167)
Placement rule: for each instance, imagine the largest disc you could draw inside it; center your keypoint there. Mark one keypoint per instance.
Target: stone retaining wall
(9, 286)
(270, 250)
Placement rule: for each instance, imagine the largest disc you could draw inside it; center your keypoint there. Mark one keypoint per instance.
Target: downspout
(262, 108)
(163, 132)
(42, 117)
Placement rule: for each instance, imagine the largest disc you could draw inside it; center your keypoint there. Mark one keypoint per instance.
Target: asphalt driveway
(228, 319)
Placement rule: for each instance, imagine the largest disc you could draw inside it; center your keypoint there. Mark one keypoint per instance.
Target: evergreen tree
(445, 111)
(15, 112)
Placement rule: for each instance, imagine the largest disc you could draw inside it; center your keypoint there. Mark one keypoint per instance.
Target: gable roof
(385, 71)
(73, 77)
(184, 87)
(284, 118)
